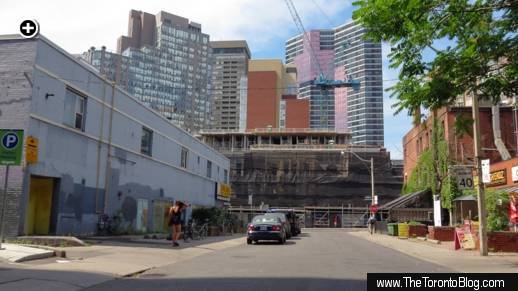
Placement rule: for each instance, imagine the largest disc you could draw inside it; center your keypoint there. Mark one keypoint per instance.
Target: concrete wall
(16, 60)
(79, 162)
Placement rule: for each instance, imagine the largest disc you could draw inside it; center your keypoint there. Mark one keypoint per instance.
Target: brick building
(419, 137)
(272, 101)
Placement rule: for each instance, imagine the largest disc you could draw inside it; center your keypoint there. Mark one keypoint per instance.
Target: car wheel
(248, 241)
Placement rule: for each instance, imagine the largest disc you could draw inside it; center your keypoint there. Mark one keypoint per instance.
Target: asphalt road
(316, 260)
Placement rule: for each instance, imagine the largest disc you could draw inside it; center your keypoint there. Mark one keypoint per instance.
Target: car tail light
(276, 228)
(251, 227)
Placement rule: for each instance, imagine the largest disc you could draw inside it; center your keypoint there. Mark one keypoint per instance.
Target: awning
(405, 200)
(466, 198)
(510, 189)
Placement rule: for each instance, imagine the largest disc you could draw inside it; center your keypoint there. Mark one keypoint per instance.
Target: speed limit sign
(464, 178)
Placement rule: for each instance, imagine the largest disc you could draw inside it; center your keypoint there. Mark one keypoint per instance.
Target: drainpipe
(499, 143)
(107, 178)
(99, 149)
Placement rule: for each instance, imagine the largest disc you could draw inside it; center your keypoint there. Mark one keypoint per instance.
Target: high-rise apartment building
(360, 111)
(309, 65)
(165, 61)
(341, 53)
(229, 79)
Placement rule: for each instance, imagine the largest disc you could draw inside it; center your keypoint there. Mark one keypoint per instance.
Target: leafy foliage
(422, 176)
(449, 192)
(431, 171)
(481, 57)
(497, 202)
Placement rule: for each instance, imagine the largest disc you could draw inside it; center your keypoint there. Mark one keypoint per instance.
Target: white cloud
(77, 25)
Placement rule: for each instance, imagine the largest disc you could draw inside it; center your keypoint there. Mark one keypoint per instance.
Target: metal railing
(299, 146)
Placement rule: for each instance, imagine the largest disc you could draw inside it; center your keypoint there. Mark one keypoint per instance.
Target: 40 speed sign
(464, 178)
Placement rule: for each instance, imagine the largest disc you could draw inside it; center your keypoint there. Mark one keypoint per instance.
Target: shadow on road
(214, 284)
(287, 243)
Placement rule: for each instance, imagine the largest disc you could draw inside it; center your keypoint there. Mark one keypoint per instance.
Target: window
(225, 176)
(146, 143)
(209, 169)
(183, 159)
(75, 105)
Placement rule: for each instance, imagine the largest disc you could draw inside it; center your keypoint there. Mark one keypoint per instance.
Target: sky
(265, 24)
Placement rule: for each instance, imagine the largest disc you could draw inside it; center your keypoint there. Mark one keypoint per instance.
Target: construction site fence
(313, 217)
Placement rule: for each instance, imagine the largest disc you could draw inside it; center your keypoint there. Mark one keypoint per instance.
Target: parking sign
(11, 147)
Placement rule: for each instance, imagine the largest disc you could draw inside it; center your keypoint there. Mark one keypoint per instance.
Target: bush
(415, 223)
(497, 202)
(215, 215)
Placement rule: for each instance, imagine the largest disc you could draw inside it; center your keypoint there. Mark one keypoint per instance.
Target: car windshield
(282, 216)
(265, 219)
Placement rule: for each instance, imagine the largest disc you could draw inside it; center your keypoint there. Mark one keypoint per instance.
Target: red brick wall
(417, 230)
(262, 98)
(444, 233)
(461, 149)
(502, 241)
(297, 113)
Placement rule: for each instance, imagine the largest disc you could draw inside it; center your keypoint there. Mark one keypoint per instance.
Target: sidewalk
(444, 254)
(16, 254)
(91, 265)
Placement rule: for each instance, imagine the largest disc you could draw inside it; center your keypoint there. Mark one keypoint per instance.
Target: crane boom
(302, 30)
(321, 81)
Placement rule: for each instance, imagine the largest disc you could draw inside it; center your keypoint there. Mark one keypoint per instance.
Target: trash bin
(402, 230)
(392, 229)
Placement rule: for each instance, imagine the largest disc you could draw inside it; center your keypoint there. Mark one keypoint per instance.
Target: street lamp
(371, 172)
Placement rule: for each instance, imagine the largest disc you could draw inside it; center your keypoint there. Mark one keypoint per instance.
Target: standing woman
(175, 221)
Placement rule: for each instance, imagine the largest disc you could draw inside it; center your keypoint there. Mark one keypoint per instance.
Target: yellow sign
(224, 192)
(31, 150)
(498, 178)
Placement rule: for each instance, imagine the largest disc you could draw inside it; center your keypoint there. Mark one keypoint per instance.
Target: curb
(33, 257)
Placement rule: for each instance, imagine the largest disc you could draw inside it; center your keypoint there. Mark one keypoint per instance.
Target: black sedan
(265, 227)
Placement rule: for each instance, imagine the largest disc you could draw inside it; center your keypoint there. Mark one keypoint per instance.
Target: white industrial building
(100, 150)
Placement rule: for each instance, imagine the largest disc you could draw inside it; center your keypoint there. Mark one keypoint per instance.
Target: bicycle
(200, 232)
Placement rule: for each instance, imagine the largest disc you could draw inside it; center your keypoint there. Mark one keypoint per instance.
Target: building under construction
(304, 167)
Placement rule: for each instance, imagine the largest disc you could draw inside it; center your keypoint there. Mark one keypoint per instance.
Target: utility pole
(480, 187)
(372, 183)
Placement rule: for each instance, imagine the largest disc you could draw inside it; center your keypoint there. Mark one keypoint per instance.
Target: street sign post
(11, 148)
(486, 175)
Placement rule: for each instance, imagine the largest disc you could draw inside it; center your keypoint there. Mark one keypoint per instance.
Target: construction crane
(321, 80)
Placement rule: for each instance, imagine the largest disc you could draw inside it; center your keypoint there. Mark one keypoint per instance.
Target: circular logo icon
(9, 141)
(29, 28)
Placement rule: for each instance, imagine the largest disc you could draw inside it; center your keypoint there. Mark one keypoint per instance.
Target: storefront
(504, 175)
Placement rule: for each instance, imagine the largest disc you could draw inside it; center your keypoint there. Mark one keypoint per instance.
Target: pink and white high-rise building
(342, 53)
(309, 65)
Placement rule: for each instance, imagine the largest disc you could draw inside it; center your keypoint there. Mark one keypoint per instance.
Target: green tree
(497, 203)
(432, 171)
(481, 57)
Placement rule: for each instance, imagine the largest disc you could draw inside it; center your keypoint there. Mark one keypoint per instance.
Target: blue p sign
(10, 141)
